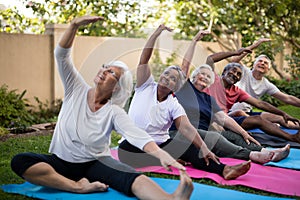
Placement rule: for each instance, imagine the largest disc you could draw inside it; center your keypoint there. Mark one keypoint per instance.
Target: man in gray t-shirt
(256, 84)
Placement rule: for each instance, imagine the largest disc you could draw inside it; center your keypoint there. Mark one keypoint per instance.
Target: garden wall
(27, 62)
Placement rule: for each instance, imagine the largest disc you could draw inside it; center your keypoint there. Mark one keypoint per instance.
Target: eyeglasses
(110, 71)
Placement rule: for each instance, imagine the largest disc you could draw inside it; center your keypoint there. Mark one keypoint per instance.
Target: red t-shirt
(226, 97)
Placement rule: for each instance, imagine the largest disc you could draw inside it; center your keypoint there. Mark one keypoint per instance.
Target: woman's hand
(247, 137)
(207, 154)
(167, 161)
(162, 27)
(200, 35)
(81, 21)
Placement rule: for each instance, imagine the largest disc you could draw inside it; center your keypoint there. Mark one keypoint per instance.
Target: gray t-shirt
(256, 88)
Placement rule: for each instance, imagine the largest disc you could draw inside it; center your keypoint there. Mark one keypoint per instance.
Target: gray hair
(230, 65)
(182, 78)
(263, 56)
(199, 69)
(125, 84)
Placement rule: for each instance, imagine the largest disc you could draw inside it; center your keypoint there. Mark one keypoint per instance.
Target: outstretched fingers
(250, 138)
(86, 20)
(201, 34)
(163, 27)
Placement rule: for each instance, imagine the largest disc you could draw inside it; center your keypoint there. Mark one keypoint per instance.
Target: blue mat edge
(209, 192)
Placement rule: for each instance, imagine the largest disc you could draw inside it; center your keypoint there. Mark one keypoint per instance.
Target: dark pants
(106, 170)
(178, 149)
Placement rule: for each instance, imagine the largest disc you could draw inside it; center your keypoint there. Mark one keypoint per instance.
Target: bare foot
(185, 188)
(232, 172)
(261, 157)
(84, 186)
(281, 153)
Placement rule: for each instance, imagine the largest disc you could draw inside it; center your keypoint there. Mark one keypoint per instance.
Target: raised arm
(216, 57)
(67, 39)
(143, 70)
(186, 62)
(238, 58)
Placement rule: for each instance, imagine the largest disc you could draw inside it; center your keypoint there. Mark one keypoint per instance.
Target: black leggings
(134, 157)
(106, 170)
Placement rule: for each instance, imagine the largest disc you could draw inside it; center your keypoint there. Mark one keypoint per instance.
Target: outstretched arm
(268, 107)
(184, 126)
(227, 122)
(143, 71)
(165, 158)
(216, 57)
(251, 47)
(286, 98)
(186, 62)
(67, 39)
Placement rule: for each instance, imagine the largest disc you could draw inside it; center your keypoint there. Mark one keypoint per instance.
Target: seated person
(154, 108)
(226, 94)
(202, 110)
(80, 159)
(256, 84)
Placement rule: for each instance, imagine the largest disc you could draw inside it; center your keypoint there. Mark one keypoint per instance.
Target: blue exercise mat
(291, 162)
(201, 191)
(290, 131)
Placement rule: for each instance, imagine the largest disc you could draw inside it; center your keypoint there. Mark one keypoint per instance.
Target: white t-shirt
(152, 116)
(256, 88)
(81, 135)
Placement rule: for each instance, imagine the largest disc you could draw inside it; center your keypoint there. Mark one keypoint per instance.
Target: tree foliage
(122, 17)
(238, 23)
(235, 23)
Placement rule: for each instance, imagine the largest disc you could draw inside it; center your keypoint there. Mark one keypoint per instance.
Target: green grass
(40, 144)
(12, 146)
(291, 110)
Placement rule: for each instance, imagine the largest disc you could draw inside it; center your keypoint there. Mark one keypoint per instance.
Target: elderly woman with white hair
(80, 159)
(154, 108)
(202, 109)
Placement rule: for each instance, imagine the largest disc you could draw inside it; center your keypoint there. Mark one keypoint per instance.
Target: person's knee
(17, 163)
(238, 113)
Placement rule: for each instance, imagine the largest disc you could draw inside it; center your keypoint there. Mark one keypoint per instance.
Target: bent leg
(36, 169)
(43, 174)
(278, 119)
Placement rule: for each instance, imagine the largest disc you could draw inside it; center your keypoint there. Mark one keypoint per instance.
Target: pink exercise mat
(271, 179)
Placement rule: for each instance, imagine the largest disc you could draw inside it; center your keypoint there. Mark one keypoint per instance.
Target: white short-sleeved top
(152, 116)
(256, 88)
(81, 135)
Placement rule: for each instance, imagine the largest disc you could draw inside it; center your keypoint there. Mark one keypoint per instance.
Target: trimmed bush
(13, 112)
